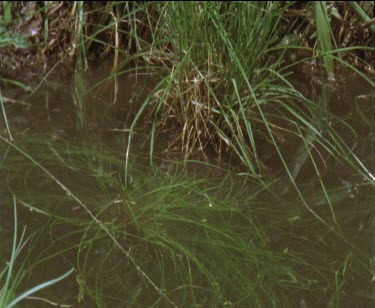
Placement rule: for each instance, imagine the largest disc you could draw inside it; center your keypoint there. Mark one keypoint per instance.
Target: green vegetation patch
(167, 237)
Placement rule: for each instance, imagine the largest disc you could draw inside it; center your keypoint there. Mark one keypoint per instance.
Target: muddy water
(64, 111)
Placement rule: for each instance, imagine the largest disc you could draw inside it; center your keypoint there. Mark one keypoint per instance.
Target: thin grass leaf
(323, 31)
(5, 117)
(39, 287)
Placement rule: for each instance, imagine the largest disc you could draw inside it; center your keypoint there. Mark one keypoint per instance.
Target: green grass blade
(39, 287)
(324, 35)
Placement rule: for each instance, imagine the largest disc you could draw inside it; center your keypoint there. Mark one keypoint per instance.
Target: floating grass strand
(5, 117)
(307, 149)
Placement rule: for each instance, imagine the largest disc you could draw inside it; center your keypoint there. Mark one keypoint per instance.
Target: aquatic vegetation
(227, 91)
(278, 212)
(162, 238)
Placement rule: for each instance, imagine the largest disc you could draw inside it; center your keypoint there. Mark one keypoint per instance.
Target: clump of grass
(225, 86)
(207, 93)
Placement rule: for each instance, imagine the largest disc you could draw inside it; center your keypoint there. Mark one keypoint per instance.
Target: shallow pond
(175, 234)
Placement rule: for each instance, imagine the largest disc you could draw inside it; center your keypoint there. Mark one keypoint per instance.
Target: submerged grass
(178, 230)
